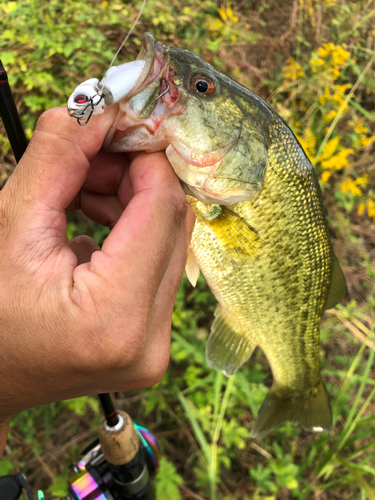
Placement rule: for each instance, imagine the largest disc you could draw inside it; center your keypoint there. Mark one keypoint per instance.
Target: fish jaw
(199, 182)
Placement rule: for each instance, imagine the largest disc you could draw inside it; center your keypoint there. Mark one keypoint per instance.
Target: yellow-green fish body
(260, 239)
(273, 289)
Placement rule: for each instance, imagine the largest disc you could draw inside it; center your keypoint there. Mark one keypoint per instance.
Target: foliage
(167, 481)
(322, 82)
(335, 128)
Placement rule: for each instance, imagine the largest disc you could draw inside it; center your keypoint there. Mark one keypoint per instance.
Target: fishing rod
(10, 117)
(118, 464)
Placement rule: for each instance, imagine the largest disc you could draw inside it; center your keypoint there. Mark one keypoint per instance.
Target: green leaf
(167, 481)
(6, 467)
(59, 488)
(9, 7)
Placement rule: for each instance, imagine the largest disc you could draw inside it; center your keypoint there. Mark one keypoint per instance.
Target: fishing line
(128, 35)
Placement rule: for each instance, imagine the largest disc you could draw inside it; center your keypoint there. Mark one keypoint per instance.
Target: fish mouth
(156, 68)
(141, 113)
(156, 62)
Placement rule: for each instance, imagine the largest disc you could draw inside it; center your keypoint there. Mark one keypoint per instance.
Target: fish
(261, 237)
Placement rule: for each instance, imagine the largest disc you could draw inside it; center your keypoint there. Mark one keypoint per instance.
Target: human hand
(69, 327)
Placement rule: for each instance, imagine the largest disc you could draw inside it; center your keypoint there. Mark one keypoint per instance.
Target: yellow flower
(226, 14)
(326, 50)
(104, 4)
(371, 208)
(338, 161)
(230, 14)
(331, 58)
(338, 96)
(215, 24)
(340, 56)
(361, 208)
(308, 143)
(363, 181)
(333, 160)
(324, 97)
(330, 115)
(365, 141)
(350, 185)
(325, 176)
(222, 13)
(370, 205)
(315, 63)
(330, 148)
(358, 126)
(292, 70)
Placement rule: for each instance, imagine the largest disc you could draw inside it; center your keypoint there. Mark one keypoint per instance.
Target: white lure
(89, 97)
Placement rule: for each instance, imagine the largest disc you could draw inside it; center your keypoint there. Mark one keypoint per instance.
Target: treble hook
(83, 110)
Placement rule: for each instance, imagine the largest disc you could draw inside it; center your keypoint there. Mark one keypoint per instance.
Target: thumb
(56, 162)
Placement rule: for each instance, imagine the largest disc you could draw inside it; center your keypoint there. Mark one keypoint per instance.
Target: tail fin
(312, 413)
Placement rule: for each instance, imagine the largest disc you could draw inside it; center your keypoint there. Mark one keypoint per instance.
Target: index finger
(57, 160)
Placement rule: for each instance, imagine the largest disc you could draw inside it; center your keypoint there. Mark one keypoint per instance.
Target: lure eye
(203, 85)
(81, 99)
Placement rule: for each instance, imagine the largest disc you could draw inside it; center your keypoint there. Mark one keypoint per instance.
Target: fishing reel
(95, 478)
(117, 465)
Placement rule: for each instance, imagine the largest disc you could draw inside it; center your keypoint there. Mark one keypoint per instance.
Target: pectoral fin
(227, 347)
(192, 268)
(337, 288)
(230, 229)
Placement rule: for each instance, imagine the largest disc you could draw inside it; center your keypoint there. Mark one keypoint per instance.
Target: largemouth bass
(260, 239)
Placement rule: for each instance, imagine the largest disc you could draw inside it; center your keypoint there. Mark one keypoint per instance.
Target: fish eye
(203, 85)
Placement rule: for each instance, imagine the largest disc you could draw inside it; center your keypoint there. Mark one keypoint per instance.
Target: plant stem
(216, 435)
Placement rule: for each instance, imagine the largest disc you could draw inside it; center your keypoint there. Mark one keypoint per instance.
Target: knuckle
(156, 360)
(49, 118)
(178, 205)
(181, 203)
(156, 371)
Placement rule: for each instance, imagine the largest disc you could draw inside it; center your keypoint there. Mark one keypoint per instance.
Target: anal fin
(312, 412)
(227, 347)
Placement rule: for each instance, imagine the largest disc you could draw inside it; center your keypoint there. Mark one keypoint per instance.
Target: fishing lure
(89, 97)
